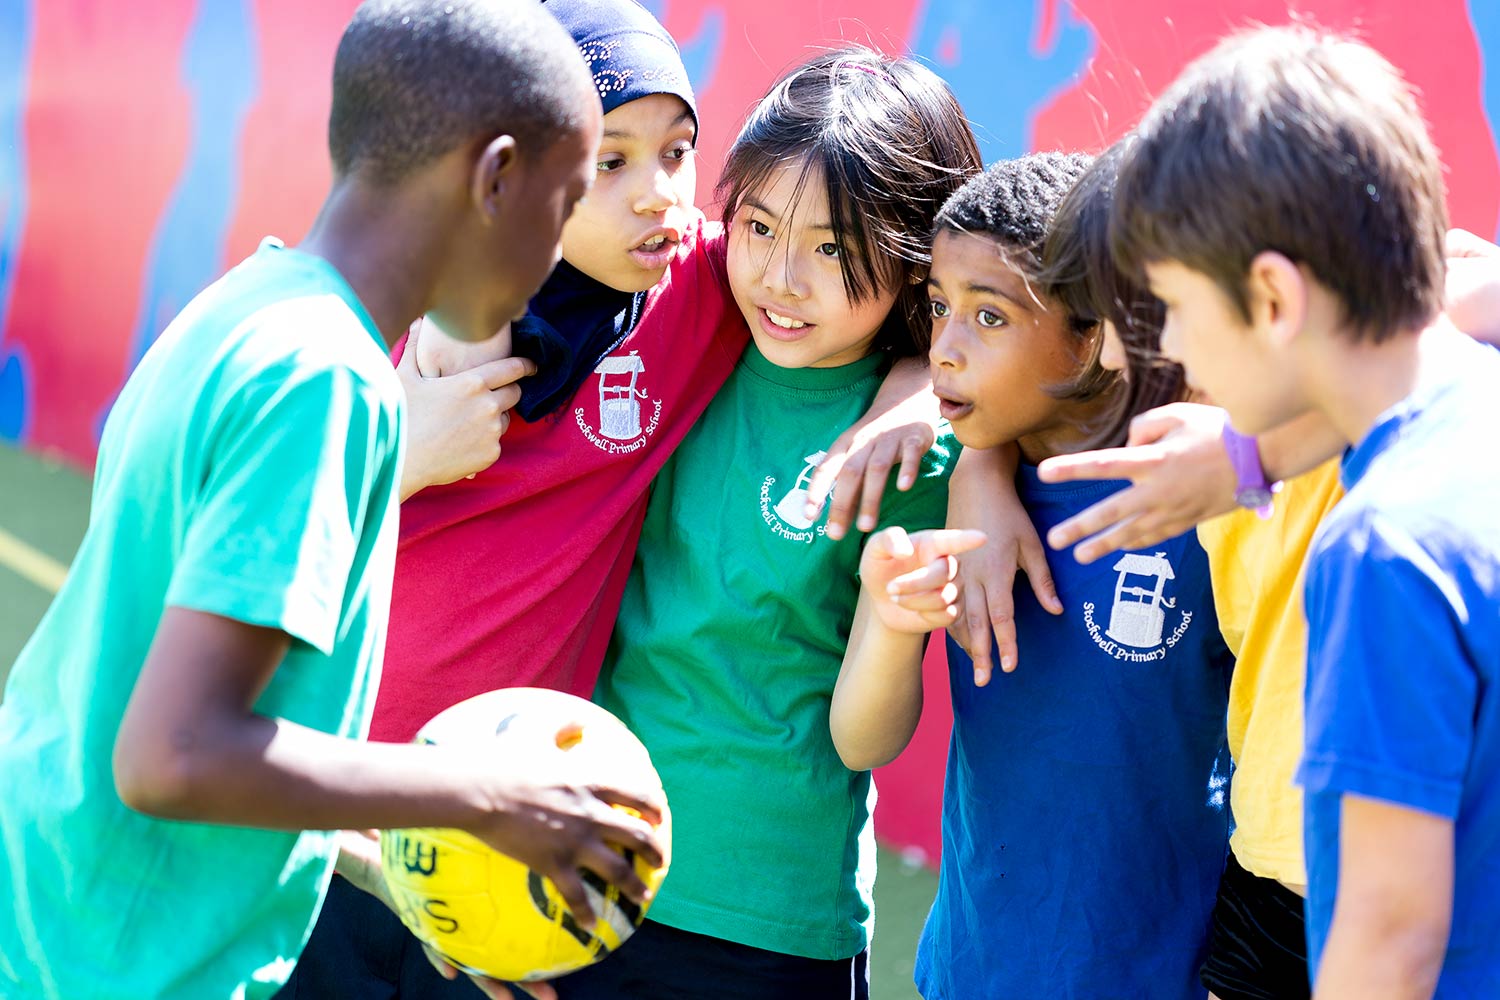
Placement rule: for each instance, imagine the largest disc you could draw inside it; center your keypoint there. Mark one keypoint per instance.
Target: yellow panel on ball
(488, 913)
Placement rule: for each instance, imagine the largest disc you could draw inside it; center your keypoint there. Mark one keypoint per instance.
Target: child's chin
(629, 279)
(970, 435)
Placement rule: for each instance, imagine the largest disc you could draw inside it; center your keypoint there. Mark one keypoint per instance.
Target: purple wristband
(1253, 492)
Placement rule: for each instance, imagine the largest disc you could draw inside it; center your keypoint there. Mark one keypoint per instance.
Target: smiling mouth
(785, 322)
(779, 326)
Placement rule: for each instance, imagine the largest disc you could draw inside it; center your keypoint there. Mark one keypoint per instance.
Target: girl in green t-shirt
(739, 607)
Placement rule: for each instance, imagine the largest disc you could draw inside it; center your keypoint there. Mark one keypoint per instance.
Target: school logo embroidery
(1137, 627)
(619, 431)
(788, 517)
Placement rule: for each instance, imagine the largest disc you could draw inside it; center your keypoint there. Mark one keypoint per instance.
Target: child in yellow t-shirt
(1183, 473)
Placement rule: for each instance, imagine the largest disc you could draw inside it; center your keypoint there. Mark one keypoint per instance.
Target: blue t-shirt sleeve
(1391, 693)
(291, 471)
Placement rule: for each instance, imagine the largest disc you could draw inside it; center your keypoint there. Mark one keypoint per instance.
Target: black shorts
(360, 950)
(663, 963)
(1258, 946)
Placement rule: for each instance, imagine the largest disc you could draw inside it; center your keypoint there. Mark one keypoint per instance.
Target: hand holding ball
(488, 913)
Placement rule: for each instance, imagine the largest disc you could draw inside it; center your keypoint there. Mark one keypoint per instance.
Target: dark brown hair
(1079, 272)
(1297, 141)
(889, 140)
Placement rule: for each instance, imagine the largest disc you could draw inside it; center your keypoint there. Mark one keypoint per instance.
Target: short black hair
(1013, 202)
(415, 79)
(1302, 142)
(889, 140)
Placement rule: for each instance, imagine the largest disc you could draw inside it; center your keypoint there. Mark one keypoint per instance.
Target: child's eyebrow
(752, 202)
(974, 288)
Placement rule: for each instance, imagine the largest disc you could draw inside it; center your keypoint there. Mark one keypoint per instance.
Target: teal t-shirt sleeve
(1392, 694)
(288, 479)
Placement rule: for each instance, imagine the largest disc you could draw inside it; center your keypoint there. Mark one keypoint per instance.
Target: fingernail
(1007, 663)
(904, 483)
(835, 532)
(866, 523)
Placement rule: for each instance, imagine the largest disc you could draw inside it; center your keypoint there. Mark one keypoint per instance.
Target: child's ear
(494, 176)
(1277, 293)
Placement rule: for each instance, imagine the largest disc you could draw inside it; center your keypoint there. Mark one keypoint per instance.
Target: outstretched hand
(455, 421)
(1180, 475)
(911, 579)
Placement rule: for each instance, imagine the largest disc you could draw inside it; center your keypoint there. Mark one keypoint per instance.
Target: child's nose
(782, 275)
(658, 195)
(943, 353)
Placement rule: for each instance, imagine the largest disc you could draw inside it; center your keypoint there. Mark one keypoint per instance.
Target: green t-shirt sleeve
(925, 505)
(291, 468)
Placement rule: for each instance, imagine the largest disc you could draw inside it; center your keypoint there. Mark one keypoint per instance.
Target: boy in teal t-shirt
(189, 704)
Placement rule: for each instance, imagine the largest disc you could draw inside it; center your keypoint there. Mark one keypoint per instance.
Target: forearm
(1474, 296)
(981, 476)
(259, 772)
(907, 378)
(877, 700)
(1299, 446)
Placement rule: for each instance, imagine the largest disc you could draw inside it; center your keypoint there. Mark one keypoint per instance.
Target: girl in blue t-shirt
(1084, 820)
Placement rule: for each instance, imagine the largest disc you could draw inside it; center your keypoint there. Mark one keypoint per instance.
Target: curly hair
(415, 79)
(1013, 202)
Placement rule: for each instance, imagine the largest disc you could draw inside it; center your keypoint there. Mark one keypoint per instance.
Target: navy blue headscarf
(574, 320)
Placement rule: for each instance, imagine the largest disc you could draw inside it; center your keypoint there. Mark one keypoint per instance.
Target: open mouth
(785, 322)
(780, 326)
(953, 408)
(656, 250)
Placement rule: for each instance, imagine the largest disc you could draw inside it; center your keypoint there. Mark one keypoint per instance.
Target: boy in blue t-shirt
(1286, 204)
(1084, 826)
(180, 734)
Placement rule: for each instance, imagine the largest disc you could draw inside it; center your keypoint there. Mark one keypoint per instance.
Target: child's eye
(759, 228)
(989, 319)
(610, 165)
(828, 249)
(939, 310)
(678, 153)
